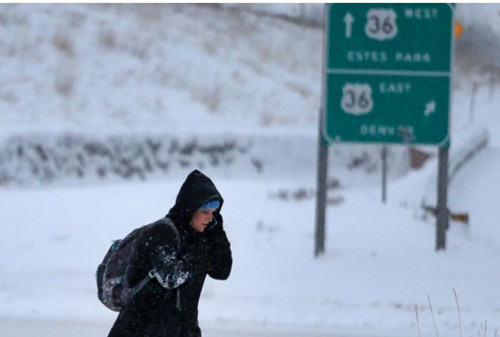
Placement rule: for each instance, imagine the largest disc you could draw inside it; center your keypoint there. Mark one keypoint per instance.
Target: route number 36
(356, 98)
(381, 24)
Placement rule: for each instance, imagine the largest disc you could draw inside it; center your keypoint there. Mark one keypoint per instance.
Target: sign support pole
(322, 173)
(384, 173)
(442, 209)
(322, 162)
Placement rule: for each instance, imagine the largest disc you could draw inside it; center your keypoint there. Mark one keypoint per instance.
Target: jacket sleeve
(162, 248)
(220, 259)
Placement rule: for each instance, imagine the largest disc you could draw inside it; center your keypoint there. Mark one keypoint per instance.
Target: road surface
(26, 327)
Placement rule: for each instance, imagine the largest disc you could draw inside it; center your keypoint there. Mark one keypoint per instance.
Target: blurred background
(100, 93)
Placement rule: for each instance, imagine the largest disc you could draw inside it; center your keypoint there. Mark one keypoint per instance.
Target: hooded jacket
(168, 305)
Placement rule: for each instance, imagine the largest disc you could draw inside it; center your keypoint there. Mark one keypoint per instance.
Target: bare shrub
(76, 19)
(210, 97)
(107, 38)
(63, 44)
(64, 84)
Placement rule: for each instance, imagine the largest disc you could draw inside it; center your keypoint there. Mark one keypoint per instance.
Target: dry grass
(482, 331)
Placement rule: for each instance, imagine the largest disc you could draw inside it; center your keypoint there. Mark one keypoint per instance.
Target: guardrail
(460, 155)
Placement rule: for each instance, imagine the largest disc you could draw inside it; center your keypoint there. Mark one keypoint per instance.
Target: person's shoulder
(163, 227)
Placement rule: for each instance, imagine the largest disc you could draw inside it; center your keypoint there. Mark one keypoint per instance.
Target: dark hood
(196, 190)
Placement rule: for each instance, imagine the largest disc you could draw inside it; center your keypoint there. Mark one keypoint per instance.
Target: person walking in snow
(168, 305)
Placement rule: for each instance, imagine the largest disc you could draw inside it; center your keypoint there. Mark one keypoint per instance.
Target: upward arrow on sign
(348, 19)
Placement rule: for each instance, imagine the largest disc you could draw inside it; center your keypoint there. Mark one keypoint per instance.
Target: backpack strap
(169, 222)
(178, 239)
(152, 272)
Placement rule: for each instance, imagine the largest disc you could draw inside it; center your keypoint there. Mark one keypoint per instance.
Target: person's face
(202, 218)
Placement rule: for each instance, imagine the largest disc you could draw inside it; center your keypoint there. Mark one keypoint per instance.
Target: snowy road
(23, 327)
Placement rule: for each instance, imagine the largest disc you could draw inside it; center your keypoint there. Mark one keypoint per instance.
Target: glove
(217, 224)
(195, 262)
(196, 255)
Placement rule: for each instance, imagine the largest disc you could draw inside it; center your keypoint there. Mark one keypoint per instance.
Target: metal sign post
(384, 173)
(319, 242)
(322, 170)
(442, 209)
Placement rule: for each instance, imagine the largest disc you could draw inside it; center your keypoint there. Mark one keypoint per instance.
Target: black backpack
(118, 266)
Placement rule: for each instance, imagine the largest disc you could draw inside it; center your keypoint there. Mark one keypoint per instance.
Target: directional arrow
(348, 19)
(430, 108)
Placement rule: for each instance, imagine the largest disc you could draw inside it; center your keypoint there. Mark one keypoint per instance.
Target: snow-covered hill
(77, 77)
(155, 66)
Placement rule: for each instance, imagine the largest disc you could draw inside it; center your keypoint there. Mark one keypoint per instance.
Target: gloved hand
(219, 258)
(196, 261)
(195, 254)
(216, 226)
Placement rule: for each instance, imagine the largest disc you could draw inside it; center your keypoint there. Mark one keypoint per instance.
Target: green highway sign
(387, 73)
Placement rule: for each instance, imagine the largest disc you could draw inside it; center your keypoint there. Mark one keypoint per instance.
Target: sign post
(442, 208)
(387, 70)
(322, 174)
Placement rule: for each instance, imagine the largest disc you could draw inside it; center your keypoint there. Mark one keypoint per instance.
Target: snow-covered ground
(380, 271)
(380, 261)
